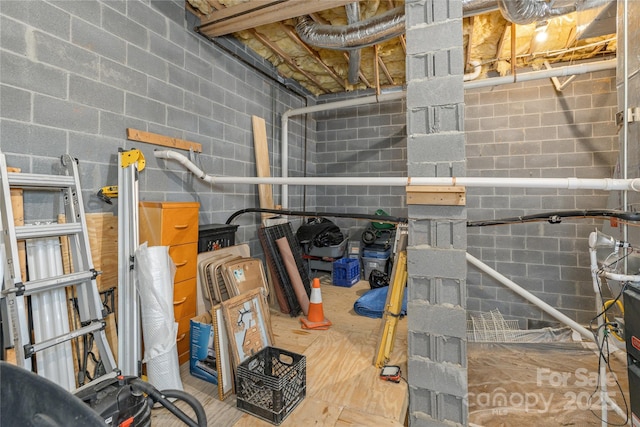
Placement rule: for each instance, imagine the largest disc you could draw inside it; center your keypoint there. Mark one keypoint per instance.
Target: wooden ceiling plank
(403, 42)
(293, 36)
(248, 15)
(274, 47)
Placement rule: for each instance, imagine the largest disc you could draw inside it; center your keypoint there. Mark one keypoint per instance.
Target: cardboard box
(202, 359)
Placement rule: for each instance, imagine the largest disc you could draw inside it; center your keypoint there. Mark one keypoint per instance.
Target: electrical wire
(556, 217)
(370, 217)
(602, 357)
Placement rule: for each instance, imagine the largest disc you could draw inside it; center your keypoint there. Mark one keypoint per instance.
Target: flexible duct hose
(353, 36)
(528, 11)
(162, 397)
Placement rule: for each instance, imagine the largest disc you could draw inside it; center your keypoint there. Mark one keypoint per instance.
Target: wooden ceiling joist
(376, 68)
(467, 59)
(244, 16)
(285, 57)
(500, 47)
(326, 68)
(293, 36)
(385, 70)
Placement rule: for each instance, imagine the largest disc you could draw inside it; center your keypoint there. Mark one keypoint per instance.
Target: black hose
(161, 397)
(370, 217)
(556, 217)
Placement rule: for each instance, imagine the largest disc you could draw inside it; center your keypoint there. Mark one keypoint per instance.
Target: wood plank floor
(343, 386)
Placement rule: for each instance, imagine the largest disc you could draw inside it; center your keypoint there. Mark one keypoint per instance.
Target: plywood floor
(343, 387)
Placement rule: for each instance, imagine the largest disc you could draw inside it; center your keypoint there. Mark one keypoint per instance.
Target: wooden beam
(317, 18)
(501, 42)
(513, 50)
(467, 59)
(386, 72)
(293, 36)
(376, 69)
(165, 141)
(261, 12)
(274, 47)
(433, 195)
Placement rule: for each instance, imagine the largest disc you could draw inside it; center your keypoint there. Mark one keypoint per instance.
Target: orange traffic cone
(315, 317)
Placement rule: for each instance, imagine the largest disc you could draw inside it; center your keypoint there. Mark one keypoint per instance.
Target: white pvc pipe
(530, 297)
(606, 184)
(569, 70)
(477, 68)
(495, 81)
(313, 109)
(625, 113)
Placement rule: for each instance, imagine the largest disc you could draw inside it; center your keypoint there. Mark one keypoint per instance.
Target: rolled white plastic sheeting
(155, 271)
(49, 312)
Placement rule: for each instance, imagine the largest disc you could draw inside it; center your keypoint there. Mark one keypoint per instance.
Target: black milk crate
(216, 236)
(271, 383)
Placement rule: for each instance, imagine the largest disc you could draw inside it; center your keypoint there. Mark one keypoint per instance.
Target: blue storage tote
(346, 272)
(375, 252)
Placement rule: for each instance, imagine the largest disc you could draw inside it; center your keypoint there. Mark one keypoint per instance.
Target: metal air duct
(529, 11)
(353, 16)
(353, 36)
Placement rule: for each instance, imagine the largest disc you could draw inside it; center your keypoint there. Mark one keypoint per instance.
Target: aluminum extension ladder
(16, 288)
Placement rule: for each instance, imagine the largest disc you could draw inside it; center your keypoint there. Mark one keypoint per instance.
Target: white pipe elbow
(183, 160)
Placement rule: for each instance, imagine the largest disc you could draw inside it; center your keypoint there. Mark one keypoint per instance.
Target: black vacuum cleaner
(27, 399)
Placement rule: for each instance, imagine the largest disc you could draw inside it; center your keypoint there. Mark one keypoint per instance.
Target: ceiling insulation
(486, 38)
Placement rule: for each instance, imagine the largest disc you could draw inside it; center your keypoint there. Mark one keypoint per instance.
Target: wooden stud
(275, 48)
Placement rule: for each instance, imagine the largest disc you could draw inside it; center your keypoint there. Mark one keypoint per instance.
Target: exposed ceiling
(315, 42)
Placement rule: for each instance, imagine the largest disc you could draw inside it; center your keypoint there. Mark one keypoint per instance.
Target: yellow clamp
(132, 156)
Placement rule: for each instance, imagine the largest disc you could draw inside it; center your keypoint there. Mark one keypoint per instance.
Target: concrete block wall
(369, 141)
(74, 75)
(436, 262)
(519, 130)
(531, 130)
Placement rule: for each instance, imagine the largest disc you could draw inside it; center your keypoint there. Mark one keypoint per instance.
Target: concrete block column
(437, 234)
